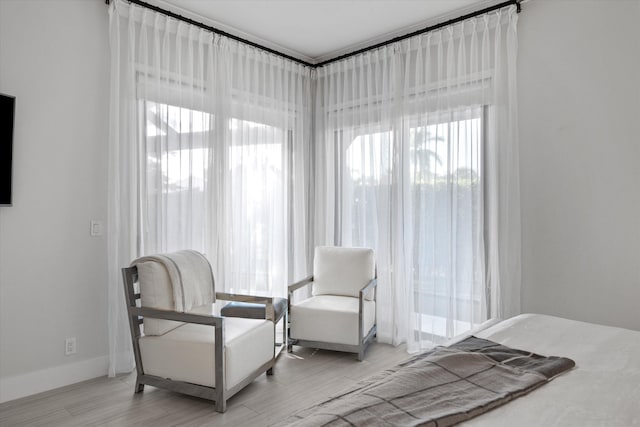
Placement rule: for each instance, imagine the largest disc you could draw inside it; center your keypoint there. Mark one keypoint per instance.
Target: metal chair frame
(363, 342)
(219, 394)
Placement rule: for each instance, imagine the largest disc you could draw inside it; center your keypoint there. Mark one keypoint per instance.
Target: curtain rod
(424, 30)
(214, 30)
(337, 58)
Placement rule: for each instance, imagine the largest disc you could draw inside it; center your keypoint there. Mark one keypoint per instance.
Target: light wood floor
(301, 378)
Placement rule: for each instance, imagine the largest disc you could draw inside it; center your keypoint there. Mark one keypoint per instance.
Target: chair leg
(270, 371)
(290, 344)
(361, 351)
(288, 335)
(285, 334)
(139, 387)
(221, 405)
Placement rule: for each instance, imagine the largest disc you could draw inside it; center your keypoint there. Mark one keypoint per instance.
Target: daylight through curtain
(416, 157)
(410, 149)
(209, 150)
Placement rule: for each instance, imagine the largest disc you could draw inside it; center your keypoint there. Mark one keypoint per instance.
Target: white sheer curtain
(209, 150)
(417, 157)
(414, 153)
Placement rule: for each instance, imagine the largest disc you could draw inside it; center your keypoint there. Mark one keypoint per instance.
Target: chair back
(177, 281)
(342, 271)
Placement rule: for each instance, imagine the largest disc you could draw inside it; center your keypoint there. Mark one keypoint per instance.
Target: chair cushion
(253, 310)
(156, 292)
(342, 271)
(330, 318)
(187, 353)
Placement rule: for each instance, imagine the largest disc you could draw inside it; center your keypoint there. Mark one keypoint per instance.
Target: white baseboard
(18, 386)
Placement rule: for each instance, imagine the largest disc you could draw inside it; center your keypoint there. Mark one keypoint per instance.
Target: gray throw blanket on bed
(441, 387)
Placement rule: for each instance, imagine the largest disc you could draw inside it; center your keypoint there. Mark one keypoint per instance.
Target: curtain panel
(410, 149)
(209, 150)
(416, 156)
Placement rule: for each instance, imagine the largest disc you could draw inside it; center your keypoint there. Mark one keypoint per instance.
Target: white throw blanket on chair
(191, 277)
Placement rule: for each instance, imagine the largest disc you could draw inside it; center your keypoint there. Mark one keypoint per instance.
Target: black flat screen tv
(7, 113)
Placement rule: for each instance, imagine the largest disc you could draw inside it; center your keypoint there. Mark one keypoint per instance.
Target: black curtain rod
(424, 30)
(215, 30)
(337, 58)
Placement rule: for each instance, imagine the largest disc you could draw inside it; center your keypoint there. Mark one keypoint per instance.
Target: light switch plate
(70, 346)
(96, 228)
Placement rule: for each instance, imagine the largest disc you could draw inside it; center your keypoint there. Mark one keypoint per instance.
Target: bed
(603, 389)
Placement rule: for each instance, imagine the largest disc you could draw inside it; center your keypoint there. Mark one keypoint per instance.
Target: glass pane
(432, 180)
(447, 201)
(175, 168)
(258, 206)
(368, 162)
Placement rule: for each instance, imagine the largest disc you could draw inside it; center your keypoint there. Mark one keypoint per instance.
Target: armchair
(179, 343)
(341, 313)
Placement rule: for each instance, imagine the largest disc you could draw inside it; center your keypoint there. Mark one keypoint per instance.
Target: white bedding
(602, 390)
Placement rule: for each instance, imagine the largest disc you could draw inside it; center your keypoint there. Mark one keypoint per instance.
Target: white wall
(579, 109)
(54, 59)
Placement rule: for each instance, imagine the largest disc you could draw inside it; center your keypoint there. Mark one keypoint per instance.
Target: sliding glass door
(414, 193)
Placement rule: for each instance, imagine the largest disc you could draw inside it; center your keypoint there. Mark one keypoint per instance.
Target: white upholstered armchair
(179, 344)
(341, 313)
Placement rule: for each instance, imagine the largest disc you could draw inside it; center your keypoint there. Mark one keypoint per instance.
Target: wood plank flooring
(301, 378)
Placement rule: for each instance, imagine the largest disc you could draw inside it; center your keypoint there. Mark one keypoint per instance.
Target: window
(195, 178)
(368, 159)
(447, 199)
(435, 163)
(258, 218)
(175, 164)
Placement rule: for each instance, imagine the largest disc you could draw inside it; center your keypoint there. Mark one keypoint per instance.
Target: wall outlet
(70, 346)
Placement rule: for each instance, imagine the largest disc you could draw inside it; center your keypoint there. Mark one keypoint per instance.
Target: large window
(203, 187)
(447, 199)
(438, 171)
(255, 159)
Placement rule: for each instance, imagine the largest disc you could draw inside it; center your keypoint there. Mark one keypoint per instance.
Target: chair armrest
(256, 299)
(297, 285)
(368, 287)
(201, 319)
(300, 283)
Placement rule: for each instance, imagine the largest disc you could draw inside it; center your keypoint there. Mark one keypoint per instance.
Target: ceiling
(315, 30)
